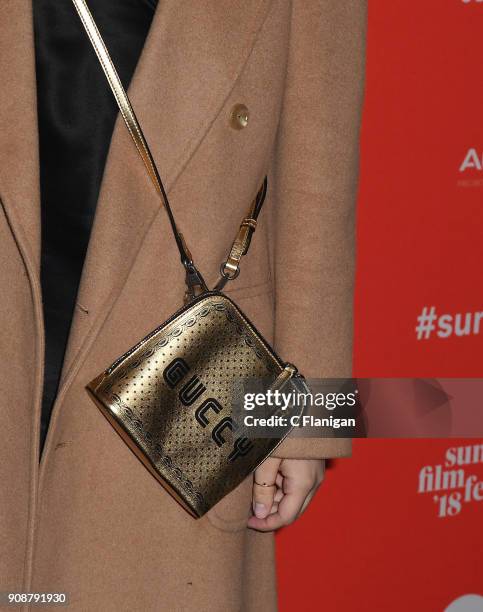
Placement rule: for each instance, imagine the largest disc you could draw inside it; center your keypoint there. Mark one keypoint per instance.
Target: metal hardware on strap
(288, 372)
(195, 284)
(230, 268)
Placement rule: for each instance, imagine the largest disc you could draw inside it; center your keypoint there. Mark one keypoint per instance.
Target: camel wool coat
(90, 520)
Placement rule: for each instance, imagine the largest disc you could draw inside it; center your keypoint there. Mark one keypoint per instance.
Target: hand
(292, 483)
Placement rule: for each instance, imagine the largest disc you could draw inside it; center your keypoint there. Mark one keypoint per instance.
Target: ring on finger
(264, 484)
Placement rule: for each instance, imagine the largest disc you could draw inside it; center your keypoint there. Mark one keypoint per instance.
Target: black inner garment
(76, 115)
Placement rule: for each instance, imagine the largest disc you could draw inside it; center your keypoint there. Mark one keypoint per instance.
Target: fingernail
(260, 510)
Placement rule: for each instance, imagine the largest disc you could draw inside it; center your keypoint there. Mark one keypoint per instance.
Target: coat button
(239, 117)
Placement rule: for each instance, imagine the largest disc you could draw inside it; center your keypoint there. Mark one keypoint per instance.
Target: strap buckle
(230, 269)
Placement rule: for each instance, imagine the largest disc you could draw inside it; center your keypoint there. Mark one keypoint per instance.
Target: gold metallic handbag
(170, 396)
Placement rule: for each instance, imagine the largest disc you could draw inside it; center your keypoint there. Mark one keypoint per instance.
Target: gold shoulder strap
(229, 269)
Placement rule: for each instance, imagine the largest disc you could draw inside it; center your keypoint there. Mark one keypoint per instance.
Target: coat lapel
(19, 170)
(192, 57)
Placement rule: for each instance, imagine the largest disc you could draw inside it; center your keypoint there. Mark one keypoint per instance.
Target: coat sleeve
(316, 178)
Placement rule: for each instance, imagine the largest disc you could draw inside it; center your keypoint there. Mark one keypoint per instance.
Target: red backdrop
(377, 537)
